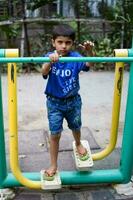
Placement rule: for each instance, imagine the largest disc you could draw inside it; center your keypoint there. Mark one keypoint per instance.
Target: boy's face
(62, 45)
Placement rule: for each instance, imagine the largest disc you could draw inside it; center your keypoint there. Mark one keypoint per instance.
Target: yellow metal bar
(119, 68)
(13, 130)
(11, 53)
(13, 120)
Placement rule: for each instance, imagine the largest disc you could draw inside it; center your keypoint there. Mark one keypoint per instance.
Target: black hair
(63, 30)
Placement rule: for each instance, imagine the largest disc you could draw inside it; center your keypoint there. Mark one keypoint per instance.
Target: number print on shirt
(61, 72)
(67, 85)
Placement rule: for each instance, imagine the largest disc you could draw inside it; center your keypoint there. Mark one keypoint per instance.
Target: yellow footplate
(50, 184)
(83, 165)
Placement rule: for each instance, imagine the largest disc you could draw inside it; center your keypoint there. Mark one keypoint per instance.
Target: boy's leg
(77, 137)
(73, 117)
(54, 147)
(55, 118)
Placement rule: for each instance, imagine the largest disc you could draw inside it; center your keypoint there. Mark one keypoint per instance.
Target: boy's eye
(60, 42)
(69, 42)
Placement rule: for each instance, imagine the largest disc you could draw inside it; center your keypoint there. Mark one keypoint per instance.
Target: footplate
(83, 165)
(48, 184)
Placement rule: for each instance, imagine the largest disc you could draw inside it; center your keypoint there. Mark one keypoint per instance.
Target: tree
(122, 15)
(34, 4)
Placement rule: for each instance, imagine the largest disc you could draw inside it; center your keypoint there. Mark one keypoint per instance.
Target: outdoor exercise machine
(32, 180)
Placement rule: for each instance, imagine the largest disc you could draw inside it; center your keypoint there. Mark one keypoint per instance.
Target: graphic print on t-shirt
(65, 75)
(63, 78)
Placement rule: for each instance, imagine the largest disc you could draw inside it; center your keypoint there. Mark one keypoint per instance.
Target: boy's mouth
(62, 52)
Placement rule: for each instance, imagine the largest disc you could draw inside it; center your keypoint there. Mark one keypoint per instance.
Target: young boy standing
(63, 100)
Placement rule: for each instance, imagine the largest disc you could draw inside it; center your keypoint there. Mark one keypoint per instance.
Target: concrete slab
(29, 141)
(66, 161)
(66, 196)
(28, 196)
(35, 162)
(67, 139)
(110, 162)
(102, 194)
(32, 157)
(38, 140)
(76, 193)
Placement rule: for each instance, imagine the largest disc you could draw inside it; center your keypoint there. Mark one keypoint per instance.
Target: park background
(27, 25)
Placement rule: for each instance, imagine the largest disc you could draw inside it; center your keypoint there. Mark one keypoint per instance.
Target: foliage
(40, 45)
(103, 48)
(81, 8)
(10, 32)
(122, 16)
(34, 4)
(105, 11)
(84, 10)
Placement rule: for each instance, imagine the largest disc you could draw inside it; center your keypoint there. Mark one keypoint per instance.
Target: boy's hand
(54, 57)
(87, 46)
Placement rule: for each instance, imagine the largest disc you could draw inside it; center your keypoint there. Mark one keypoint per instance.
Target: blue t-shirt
(63, 77)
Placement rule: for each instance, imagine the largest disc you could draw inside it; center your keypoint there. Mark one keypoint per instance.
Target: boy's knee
(56, 137)
(76, 132)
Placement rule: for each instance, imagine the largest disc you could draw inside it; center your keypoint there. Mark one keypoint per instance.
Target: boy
(63, 100)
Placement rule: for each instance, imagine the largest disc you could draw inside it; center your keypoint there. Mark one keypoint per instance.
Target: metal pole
(119, 69)
(72, 177)
(127, 145)
(66, 59)
(3, 168)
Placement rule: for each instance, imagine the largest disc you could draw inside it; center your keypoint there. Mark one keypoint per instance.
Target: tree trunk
(26, 35)
(25, 28)
(78, 22)
(22, 42)
(10, 8)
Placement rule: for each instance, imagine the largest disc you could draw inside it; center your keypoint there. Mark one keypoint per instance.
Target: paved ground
(97, 95)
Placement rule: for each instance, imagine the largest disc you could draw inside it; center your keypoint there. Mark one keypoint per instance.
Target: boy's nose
(64, 45)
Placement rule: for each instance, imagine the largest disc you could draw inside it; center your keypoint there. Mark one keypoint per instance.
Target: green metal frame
(2, 53)
(66, 59)
(120, 175)
(3, 168)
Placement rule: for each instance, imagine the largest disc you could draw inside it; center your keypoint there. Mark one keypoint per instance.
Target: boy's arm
(46, 68)
(54, 57)
(88, 48)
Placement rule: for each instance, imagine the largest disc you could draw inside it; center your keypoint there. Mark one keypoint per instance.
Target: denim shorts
(60, 109)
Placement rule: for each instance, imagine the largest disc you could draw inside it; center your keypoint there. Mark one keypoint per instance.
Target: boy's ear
(53, 43)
